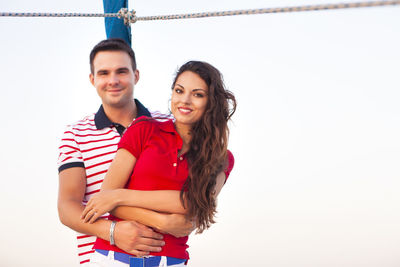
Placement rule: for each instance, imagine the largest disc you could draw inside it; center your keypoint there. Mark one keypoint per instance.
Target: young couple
(161, 175)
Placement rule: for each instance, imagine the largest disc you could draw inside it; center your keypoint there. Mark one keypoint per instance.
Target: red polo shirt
(155, 146)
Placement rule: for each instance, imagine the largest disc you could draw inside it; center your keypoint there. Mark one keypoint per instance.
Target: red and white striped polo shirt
(91, 143)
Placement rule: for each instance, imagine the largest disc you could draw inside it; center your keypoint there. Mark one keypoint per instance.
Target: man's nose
(113, 79)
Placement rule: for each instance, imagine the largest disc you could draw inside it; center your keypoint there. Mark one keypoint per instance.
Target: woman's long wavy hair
(207, 155)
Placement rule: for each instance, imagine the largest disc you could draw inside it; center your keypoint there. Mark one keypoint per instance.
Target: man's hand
(137, 239)
(177, 225)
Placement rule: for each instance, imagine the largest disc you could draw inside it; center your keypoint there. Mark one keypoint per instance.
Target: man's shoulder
(86, 122)
(160, 116)
(156, 114)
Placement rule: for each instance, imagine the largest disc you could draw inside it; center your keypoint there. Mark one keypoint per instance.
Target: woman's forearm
(174, 224)
(144, 216)
(159, 200)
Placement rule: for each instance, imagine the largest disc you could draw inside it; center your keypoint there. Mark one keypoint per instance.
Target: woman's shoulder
(145, 122)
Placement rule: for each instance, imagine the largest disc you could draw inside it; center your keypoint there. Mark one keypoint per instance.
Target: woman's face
(189, 98)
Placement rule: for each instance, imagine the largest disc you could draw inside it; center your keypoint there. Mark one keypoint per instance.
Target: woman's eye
(178, 91)
(198, 95)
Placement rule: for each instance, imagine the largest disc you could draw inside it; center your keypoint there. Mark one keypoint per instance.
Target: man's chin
(119, 103)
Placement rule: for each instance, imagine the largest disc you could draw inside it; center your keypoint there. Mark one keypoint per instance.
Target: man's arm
(131, 237)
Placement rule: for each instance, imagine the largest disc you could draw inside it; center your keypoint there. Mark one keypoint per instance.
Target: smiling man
(88, 148)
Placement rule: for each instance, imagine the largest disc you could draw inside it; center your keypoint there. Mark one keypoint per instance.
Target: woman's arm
(112, 193)
(120, 170)
(174, 224)
(117, 176)
(159, 200)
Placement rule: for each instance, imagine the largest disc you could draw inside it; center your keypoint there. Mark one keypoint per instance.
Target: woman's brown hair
(207, 155)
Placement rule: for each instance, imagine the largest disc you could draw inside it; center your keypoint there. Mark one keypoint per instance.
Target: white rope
(130, 16)
(273, 10)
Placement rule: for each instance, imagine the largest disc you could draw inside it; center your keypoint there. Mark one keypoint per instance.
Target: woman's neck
(184, 132)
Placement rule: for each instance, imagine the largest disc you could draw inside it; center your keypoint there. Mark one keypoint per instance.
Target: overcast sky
(315, 137)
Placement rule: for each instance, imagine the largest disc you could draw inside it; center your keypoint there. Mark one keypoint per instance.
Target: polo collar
(102, 121)
(168, 126)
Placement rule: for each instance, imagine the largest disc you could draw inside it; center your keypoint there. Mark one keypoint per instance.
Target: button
(174, 164)
(181, 158)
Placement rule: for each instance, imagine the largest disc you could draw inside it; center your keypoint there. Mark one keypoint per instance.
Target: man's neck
(123, 116)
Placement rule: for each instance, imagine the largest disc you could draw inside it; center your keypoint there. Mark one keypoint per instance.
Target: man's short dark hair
(112, 44)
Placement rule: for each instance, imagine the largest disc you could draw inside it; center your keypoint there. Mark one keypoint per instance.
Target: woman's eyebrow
(199, 89)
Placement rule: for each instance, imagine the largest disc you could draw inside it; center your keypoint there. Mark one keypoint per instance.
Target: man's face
(114, 78)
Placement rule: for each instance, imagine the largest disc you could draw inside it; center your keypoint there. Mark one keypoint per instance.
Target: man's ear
(91, 78)
(137, 76)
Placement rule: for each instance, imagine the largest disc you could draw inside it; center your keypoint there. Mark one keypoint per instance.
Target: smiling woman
(193, 164)
(189, 99)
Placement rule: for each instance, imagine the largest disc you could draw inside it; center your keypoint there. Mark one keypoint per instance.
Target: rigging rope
(130, 16)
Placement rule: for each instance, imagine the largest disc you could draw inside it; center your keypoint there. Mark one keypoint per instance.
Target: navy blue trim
(102, 121)
(120, 129)
(70, 165)
(141, 110)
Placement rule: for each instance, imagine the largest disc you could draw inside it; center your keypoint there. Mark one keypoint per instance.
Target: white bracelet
(112, 227)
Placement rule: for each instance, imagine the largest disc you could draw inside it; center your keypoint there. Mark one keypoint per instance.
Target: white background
(315, 136)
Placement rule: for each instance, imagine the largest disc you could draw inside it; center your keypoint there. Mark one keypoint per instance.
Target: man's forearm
(70, 215)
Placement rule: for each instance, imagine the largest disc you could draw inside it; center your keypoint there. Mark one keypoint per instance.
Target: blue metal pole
(115, 27)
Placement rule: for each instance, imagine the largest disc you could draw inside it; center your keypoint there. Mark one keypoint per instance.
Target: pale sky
(315, 137)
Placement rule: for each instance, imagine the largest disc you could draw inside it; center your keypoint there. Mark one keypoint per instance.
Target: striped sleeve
(69, 151)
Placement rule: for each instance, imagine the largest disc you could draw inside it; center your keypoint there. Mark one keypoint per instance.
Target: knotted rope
(130, 17)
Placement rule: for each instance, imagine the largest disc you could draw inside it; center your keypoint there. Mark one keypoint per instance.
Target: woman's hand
(99, 204)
